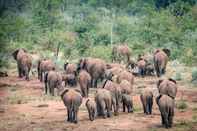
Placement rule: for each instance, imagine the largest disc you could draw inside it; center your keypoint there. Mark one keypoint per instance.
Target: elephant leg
(143, 72)
(20, 71)
(52, 91)
(170, 120)
(93, 114)
(41, 76)
(165, 118)
(115, 107)
(163, 71)
(90, 114)
(162, 119)
(103, 107)
(150, 105)
(170, 117)
(95, 83)
(68, 114)
(144, 108)
(131, 106)
(123, 106)
(46, 88)
(75, 112)
(87, 91)
(147, 108)
(26, 71)
(92, 83)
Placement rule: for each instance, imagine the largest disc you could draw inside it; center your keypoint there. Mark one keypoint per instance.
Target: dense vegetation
(91, 27)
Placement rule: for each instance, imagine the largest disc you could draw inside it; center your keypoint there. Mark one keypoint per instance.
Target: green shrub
(182, 105)
(177, 76)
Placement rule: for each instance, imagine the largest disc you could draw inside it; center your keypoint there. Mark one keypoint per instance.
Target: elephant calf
(53, 80)
(127, 102)
(166, 106)
(91, 107)
(147, 101)
(72, 100)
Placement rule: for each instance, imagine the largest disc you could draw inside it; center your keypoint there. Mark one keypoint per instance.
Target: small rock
(43, 105)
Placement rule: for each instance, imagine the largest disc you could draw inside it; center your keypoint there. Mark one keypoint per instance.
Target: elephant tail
(158, 98)
(105, 83)
(46, 77)
(38, 67)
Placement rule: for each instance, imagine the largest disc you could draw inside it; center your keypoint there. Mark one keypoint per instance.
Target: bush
(177, 76)
(182, 105)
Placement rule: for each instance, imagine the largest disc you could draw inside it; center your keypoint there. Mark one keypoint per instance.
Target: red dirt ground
(24, 107)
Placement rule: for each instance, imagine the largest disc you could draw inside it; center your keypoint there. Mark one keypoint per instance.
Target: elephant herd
(117, 83)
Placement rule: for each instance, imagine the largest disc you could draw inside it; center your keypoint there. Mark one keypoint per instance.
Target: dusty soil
(25, 107)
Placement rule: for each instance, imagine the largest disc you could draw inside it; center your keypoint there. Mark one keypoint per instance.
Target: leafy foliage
(89, 27)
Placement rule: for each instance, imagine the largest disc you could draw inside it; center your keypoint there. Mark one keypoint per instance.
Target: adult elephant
(160, 59)
(141, 64)
(126, 87)
(125, 75)
(120, 52)
(95, 67)
(72, 100)
(24, 62)
(70, 68)
(84, 82)
(167, 87)
(103, 101)
(53, 80)
(166, 106)
(115, 93)
(115, 71)
(44, 66)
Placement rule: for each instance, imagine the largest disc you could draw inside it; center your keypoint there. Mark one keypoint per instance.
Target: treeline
(91, 27)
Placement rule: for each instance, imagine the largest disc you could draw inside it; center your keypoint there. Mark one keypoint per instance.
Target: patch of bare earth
(40, 112)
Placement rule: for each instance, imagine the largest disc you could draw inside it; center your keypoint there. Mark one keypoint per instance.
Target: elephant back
(168, 87)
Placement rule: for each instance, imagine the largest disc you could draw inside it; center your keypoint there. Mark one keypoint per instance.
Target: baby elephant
(72, 100)
(166, 107)
(127, 102)
(91, 107)
(147, 101)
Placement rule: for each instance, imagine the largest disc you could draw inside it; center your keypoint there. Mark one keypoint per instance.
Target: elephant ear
(84, 65)
(170, 79)
(157, 50)
(15, 53)
(65, 65)
(167, 51)
(158, 83)
(64, 92)
(87, 101)
(157, 98)
(24, 50)
(77, 90)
